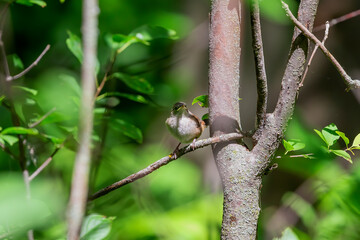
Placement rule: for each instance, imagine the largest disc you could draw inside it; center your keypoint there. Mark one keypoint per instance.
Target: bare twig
(338, 20)
(326, 34)
(44, 165)
(259, 62)
(165, 160)
(42, 118)
(297, 156)
(80, 179)
(350, 83)
(10, 78)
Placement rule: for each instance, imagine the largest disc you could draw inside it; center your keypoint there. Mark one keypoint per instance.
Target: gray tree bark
(241, 170)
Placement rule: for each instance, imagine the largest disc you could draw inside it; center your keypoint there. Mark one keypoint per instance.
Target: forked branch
(350, 83)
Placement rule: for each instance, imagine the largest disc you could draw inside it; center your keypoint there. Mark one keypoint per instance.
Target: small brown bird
(184, 125)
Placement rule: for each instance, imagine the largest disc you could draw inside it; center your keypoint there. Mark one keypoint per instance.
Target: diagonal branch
(10, 78)
(262, 90)
(163, 161)
(44, 165)
(338, 20)
(350, 83)
(326, 34)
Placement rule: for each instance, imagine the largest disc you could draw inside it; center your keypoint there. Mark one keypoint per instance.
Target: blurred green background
(318, 197)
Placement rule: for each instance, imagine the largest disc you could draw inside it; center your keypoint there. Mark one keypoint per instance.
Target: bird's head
(179, 107)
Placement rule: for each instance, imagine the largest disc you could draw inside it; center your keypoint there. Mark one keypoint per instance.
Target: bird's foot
(173, 154)
(192, 145)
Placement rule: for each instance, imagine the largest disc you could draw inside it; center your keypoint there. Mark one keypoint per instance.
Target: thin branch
(42, 118)
(163, 161)
(350, 83)
(44, 165)
(80, 180)
(259, 62)
(338, 20)
(313, 53)
(10, 78)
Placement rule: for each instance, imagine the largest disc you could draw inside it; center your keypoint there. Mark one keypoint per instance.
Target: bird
(184, 125)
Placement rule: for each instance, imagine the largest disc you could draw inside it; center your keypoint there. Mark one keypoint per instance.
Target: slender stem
(10, 78)
(313, 54)
(350, 83)
(42, 118)
(259, 62)
(44, 165)
(80, 180)
(338, 20)
(165, 160)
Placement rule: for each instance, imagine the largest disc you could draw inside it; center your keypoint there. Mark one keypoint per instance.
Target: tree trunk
(240, 169)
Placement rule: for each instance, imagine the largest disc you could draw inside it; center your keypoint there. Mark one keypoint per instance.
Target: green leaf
(342, 153)
(321, 136)
(73, 42)
(288, 234)
(32, 2)
(53, 139)
(356, 141)
(134, 82)
(96, 227)
(293, 145)
(26, 89)
(11, 140)
(202, 100)
(342, 135)
(205, 116)
(288, 147)
(149, 33)
(17, 61)
(329, 133)
(20, 130)
(38, 2)
(128, 130)
(109, 102)
(133, 97)
(2, 98)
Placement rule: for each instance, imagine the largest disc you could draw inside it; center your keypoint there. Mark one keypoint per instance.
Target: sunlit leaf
(32, 2)
(20, 130)
(96, 227)
(288, 234)
(342, 135)
(134, 82)
(11, 140)
(38, 2)
(288, 147)
(26, 89)
(202, 100)
(128, 129)
(149, 33)
(356, 141)
(342, 153)
(293, 145)
(321, 136)
(133, 97)
(73, 42)
(329, 133)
